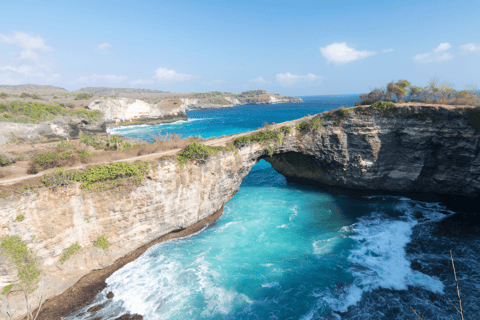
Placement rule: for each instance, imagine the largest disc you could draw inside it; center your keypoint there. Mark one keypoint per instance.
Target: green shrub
(4, 161)
(29, 187)
(7, 289)
(341, 112)
(103, 243)
(112, 175)
(64, 144)
(20, 218)
(114, 142)
(57, 158)
(91, 141)
(259, 137)
(385, 108)
(25, 261)
(2, 195)
(285, 130)
(25, 95)
(68, 252)
(83, 96)
(3, 95)
(198, 152)
(92, 116)
(60, 177)
(313, 124)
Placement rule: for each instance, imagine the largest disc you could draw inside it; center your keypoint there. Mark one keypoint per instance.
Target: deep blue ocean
(287, 251)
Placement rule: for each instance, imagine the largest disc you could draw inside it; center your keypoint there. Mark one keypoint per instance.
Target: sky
(298, 48)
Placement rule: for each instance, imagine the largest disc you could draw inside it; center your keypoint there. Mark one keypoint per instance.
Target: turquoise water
(286, 251)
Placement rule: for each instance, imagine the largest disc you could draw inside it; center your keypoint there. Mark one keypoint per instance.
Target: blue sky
(301, 47)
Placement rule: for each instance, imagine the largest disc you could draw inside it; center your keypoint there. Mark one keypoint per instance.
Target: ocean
(287, 251)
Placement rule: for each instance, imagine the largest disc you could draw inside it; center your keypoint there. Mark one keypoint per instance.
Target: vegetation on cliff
(35, 112)
(263, 136)
(433, 92)
(113, 175)
(198, 152)
(64, 155)
(68, 252)
(27, 266)
(102, 242)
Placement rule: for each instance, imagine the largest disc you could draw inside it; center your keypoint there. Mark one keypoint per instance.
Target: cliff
(230, 100)
(62, 127)
(125, 110)
(427, 149)
(401, 149)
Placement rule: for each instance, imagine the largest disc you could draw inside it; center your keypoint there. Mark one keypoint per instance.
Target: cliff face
(58, 128)
(170, 199)
(418, 150)
(414, 149)
(230, 102)
(124, 109)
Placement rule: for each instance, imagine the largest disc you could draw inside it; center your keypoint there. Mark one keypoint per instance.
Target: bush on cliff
(385, 108)
(83, 96)
(68, 252)
(259, 137)
(312, 125)
(198, 152)
(433, 92)
(57, 158)
(113, 175)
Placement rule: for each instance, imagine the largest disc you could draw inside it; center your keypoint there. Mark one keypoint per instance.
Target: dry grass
(16, 187)
(109, 156)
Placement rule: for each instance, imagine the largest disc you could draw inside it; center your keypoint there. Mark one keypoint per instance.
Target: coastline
(84, 290)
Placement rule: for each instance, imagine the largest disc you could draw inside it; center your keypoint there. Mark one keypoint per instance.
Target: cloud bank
(438, 54)
(340, 53)
(28, 65)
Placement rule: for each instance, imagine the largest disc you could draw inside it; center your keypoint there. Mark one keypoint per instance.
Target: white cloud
(163, 74)
(259, 80)
(288, 79)
(387, 50)
(435, 55)
(104, 46)
(470, 47)
(28, 65)
(30, 46)
(340, 53)
(444, 57)
(442, 47)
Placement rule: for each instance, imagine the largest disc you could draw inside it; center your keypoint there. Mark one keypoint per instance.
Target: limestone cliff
(421, 149)
(413, 149)
(62, 128)
(231, 101)
(124, 109)
(170, 199)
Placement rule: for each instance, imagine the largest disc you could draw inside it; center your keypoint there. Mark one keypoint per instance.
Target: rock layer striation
(419, 149)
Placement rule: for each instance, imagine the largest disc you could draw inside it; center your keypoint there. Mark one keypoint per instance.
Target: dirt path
(151, 156)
